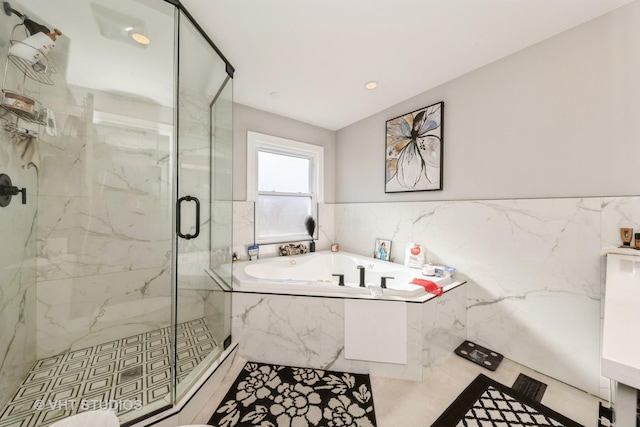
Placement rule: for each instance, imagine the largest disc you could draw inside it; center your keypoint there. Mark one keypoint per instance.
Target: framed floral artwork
(414, 151)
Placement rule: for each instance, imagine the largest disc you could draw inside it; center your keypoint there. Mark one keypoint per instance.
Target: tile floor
(130, 370)
(419, 403)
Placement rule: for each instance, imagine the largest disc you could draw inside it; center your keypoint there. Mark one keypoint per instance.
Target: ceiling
(309, 59)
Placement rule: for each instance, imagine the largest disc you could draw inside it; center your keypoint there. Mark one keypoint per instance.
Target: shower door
(203, 207)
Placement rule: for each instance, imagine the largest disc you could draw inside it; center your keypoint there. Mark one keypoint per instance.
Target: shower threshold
(131, 375)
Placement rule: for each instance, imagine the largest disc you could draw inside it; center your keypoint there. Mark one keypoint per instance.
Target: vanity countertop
(617, 250)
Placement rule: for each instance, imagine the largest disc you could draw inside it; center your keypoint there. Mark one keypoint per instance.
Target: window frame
(257, 142)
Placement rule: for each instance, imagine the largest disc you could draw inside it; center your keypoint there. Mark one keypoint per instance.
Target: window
(284, 179)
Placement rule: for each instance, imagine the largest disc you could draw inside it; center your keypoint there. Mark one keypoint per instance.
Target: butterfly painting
(414, 151)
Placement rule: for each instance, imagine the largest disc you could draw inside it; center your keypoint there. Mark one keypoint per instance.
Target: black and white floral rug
(488, 403)
(281, 396)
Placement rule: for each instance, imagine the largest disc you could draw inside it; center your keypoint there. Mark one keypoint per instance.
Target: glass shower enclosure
(115, 208)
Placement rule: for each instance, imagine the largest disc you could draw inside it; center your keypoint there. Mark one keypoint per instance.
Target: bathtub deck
(420, 296)
(314, 275)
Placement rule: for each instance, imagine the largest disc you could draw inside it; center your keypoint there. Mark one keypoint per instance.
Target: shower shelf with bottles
(29, 57)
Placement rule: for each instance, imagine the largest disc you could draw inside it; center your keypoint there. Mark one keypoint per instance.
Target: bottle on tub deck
(415, 256)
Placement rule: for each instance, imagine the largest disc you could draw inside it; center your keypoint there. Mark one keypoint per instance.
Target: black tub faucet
(340, 279)
(383, 281)
(361, 268)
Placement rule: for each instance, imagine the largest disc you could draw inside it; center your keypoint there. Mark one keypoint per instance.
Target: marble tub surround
(244, 230)
(533, 271)
(310, 331)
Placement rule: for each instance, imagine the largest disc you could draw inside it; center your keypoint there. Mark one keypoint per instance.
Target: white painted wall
(556, 122)
(559, 119)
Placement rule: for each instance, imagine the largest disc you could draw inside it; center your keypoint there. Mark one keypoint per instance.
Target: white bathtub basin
(312, 274)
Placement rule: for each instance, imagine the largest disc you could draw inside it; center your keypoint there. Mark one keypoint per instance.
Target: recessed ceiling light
(140, 38)
(115, 25)
(371, 85)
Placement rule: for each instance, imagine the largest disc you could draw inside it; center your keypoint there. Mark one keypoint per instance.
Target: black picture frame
(414, 150)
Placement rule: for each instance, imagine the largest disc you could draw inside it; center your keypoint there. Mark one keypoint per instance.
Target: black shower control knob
(8, 190)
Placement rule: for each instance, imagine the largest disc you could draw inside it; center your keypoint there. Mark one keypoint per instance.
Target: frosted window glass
(282, 173)
(282, 217)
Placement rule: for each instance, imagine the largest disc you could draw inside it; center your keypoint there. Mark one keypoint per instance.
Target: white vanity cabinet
(621, 331)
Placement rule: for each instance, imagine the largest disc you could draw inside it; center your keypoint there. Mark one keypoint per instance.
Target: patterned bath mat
(281, 396)
(487, 403)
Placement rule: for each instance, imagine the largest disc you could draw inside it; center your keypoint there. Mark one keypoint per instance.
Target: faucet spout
(361, 268)
(383, 281)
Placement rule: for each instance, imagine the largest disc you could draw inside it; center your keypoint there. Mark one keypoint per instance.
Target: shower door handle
(178, 216)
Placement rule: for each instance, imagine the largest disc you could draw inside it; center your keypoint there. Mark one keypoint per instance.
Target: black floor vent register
(282, 396)
(487, 403)
(529, 387)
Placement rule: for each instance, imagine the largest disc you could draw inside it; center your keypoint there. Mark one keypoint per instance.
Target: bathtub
(312, 274)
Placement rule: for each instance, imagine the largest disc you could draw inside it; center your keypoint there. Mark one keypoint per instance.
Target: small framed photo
(382, 250)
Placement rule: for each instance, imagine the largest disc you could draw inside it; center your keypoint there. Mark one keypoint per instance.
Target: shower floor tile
(65, 384)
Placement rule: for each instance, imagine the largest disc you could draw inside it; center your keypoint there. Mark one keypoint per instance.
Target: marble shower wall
(104, 228)
(17, 248)
(194, 166)
(104, 231)
(17, 272)
(533, 269)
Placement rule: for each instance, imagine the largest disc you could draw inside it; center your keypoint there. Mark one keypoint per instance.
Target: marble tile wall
(17, 247)
(17, 272)
(105, 225)
(444, 327)
(533, 267)
(195, 288)
(99, 246)
(308, 331)
(104, 228)
(243, 229)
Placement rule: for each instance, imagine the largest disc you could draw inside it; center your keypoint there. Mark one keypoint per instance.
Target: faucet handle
(24, 195)
(340, 279)
(8, 190)
(383, 281)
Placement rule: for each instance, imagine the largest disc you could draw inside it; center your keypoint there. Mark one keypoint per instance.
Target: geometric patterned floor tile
(48, 362)
(26, 421)
(158, 364)
(133, 371)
